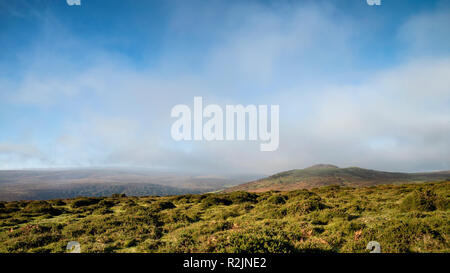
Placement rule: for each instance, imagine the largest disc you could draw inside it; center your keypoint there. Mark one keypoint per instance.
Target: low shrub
(59, 202)
(215, 200)
(162, 205)
(242, 197)
(86, 201)
(276, 199)
(307, 205)
(106, 203)
(256, 241)
(423, 200)
(41, 207)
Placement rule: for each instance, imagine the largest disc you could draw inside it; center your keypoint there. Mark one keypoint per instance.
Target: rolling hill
(69, 183)
(325, 174)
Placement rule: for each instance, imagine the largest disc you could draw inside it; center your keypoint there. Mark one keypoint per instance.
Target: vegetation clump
(83, 202)
(307, 205)
(40, 207)
(213, 200)
(257, 241)
(118, 195)
(164, 205)
(242, 197)
(424, 200)
(277, 199)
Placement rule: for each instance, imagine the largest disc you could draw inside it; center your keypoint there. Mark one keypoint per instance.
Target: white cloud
(427, 33)
(117, 115)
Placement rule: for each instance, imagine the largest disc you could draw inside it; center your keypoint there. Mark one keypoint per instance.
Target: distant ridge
(326, 174)
(69, 183)
(322, 166)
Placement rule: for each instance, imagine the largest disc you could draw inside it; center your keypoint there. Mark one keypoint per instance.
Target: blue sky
(93, 85)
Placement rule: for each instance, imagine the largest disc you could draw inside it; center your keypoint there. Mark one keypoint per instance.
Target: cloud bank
(75, 103)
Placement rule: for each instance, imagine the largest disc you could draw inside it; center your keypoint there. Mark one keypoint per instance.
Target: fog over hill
(68, 183)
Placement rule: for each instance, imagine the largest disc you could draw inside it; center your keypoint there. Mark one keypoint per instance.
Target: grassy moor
(411, 217)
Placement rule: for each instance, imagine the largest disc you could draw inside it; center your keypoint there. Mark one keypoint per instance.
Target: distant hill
(325, 174)
(73, 190)
(69, 183)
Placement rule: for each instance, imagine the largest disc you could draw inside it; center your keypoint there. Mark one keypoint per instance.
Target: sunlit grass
(402, 218)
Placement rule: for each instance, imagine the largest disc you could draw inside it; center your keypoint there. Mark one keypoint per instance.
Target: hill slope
(50, 184)
(324, 175)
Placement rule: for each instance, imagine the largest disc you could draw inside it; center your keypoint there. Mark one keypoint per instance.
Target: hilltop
(326, 175)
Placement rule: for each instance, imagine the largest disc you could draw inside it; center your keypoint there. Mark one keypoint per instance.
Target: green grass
(402, 218)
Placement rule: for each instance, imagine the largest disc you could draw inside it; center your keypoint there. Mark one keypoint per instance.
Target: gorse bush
(212, 200)
(118, 195)
(403, 218)
(40, 207)
(423, 200)
(308, 205)
(165, 205)
(82, 202)
(58, 203)
(106, 203)
(256, 241)
(277, 199)
(242, 197)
